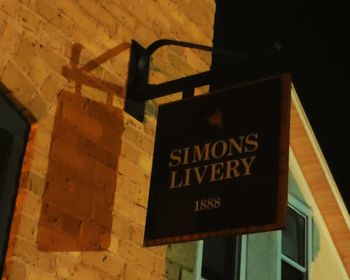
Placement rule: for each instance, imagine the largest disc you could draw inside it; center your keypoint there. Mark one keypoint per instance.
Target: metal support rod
(139, 90)
(142, 66)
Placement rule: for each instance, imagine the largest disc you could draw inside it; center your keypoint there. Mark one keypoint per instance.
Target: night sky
(312, 39)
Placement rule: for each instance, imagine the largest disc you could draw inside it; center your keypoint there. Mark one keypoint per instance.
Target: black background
(313, 39)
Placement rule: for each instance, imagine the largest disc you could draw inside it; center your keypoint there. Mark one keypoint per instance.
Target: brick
(141, 196)
(66, 266)
(121, 227)
(46, 123)
(134, 272)
(25, 2)
(92, 128)
(10, 38)
(145, 161)
(3, 62)
(42, 141)
(38, 72)
(104, 176)
(52, 37)
(66, 154)
(137, 234)
(140, 139)
(130, 210)
(126, 250)
(24, 55)
(96, 151)
(197, 62)
(106, 262)
(133, 171)
(130, 152)
(79, 34)
(69, 181)
(61, 219)
(96, 11)
(28, 19)
(52, 239)
(39, 163)
(126, 188)
(9, 6)
(70, 224)
(112, 77)
(137, 255)
(66, 131)
(38, 106)
(118, 102)
(159, 265)
(111, 140)
(53, 59)
(109, 117)
(67, 202)
(122, 16)
(39, 275)
(83, 272)
(28, 203)
(56, 17)
(15, 270)
(94, 94)
(75, 13)
(63, 179)
(50, 84)
(92, 236)
(36, 183)
(102, 215)
(73, 100)
(15, 81)
(24, 226)
(28, 252)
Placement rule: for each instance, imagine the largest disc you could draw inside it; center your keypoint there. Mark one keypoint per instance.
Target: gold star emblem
(216, 118)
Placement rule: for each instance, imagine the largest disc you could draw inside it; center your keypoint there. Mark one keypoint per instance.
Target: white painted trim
(303, 186)
(243, 258)
(320, 157)
(305, 211)
(198, 260)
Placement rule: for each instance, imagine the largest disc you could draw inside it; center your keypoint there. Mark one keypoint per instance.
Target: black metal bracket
(139, 90)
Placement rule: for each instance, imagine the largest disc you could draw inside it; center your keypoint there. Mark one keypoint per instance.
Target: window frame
(299, 207)
(241, 256)
(15, 124)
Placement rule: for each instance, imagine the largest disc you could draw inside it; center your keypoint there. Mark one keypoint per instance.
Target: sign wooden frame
(281, 171)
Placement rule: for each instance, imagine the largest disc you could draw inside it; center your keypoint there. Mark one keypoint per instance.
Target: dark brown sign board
(220, 164)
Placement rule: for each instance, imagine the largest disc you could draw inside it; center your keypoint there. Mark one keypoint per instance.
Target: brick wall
(81, 206)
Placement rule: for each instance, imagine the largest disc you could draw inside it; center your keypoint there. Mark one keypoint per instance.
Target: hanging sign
(220, 164)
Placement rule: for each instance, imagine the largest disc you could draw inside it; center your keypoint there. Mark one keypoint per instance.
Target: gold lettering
(200, 154)
(226, 168)
(173, 184)
(216, 172)
(247, 163)
(251, 140)
(231, 169)
(186, 150)
(175, 158)
(234, 145)
(214, 150)
(187, 177)
(200, 175)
